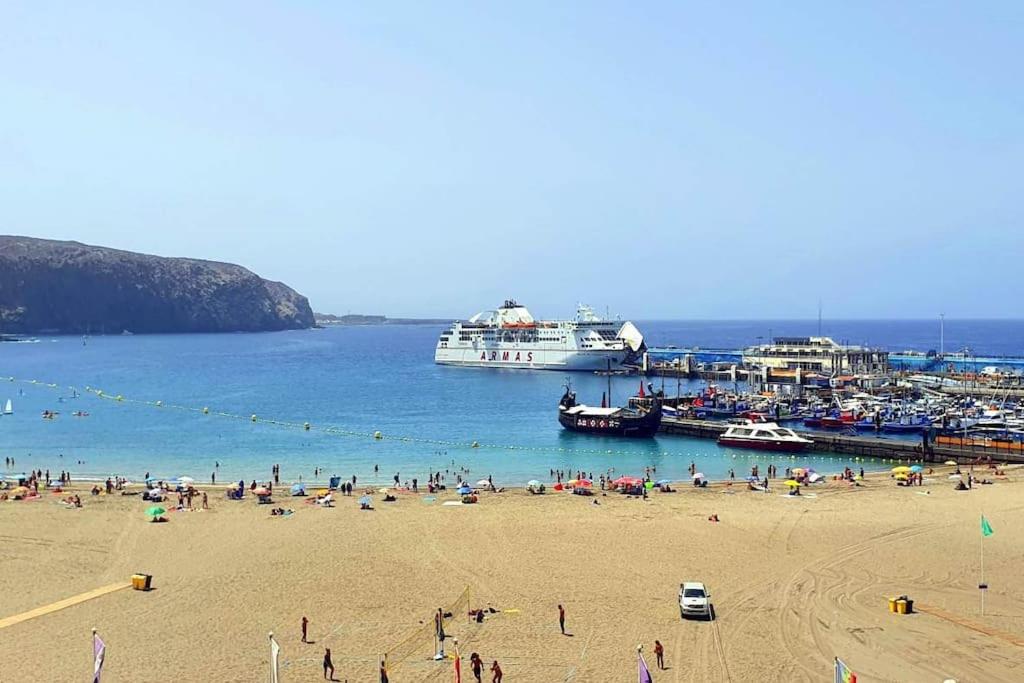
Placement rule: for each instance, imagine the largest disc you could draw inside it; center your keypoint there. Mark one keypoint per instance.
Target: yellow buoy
(378, 435)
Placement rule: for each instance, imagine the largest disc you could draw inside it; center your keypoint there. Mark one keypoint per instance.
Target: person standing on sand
(659, 653)
(305, 625)
(213, 478)
(561, 619)
(496, 672)
(206, 504)
(477, 665)
(439, 633)
(328, 664)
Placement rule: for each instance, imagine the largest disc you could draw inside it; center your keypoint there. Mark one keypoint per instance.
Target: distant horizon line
(723, 320)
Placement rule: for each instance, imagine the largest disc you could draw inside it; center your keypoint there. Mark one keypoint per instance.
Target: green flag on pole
(986, 528)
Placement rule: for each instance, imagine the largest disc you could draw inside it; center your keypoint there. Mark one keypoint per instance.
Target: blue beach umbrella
(365, 500)
(916, 468)
(298, 489)
(662, 482)
(465, 490)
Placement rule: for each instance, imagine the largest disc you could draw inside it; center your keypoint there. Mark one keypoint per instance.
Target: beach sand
(795, 582)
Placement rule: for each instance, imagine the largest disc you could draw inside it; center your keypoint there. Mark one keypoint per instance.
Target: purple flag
(99, 652)
(643, 674)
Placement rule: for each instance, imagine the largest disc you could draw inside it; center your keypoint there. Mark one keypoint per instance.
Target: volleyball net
(422, 642)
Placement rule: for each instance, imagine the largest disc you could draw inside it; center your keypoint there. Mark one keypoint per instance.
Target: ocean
(360, 380)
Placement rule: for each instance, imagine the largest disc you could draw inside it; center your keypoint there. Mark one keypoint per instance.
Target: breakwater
(859, 446)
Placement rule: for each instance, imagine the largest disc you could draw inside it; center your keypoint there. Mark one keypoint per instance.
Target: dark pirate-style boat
(613, 421)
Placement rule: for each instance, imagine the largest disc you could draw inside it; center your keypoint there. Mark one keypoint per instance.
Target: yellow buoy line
(380, 436)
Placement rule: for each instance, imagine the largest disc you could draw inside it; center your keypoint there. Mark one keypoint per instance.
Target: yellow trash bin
(892, 605)
(901, 606)
(142, 582)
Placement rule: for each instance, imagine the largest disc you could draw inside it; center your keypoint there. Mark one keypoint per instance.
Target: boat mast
(609, 382)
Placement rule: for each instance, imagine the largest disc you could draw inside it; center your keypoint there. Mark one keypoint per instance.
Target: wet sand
(795, 582)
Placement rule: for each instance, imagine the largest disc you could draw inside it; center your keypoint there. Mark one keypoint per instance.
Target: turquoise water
(361, 379)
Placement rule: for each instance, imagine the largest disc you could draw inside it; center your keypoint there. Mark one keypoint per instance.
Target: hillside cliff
(54, 287)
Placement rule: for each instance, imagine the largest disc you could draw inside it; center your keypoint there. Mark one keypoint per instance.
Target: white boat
(766, 436)
(510, 337)
(9, 408)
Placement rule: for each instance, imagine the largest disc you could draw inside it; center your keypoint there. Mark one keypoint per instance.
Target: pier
(859, 446)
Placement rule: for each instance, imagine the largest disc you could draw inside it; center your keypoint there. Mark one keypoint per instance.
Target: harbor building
(819, 355)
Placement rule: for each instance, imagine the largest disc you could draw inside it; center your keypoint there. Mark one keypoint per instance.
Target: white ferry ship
(509, 337)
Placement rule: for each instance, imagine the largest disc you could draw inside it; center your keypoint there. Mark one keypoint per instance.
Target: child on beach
(496, 672)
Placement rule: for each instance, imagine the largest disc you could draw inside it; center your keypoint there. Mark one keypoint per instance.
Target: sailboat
(9, 408)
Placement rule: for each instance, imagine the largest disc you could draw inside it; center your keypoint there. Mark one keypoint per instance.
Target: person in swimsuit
(496, 672)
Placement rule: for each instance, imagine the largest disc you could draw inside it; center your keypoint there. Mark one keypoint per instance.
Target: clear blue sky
(668, 160)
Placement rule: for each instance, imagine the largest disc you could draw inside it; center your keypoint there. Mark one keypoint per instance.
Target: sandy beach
(795, 582)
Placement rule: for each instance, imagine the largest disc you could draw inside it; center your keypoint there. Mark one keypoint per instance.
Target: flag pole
(982, 585)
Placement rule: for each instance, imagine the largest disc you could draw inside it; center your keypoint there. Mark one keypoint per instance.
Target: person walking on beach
(495, 672)
(305, 625)
(659, 653)
(328, 664)
(561, 619)
(213, 478)
(206, 504)
(477, 665)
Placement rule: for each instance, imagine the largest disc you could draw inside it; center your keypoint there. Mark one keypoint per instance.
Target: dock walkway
(848, 444)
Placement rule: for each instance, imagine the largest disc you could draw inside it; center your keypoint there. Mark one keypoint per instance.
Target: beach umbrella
(186, 480)
(649, 485)
(699, 475)
(261, 491)
(365, 500)
(662, 482)
(901, 476)
(155, 511)
(19, 491)
(753, 479)
(956, 476)
(798, 470)
(792, 483)
(298, 489)
(901, 469)
(465, 490)
(533, 482)
(483, 482)
(322, 492)
(949, 462)
(916, 468)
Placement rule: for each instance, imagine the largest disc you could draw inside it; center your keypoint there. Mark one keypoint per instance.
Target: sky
(667, 160)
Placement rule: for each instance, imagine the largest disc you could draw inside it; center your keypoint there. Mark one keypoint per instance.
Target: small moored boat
(766, 436)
